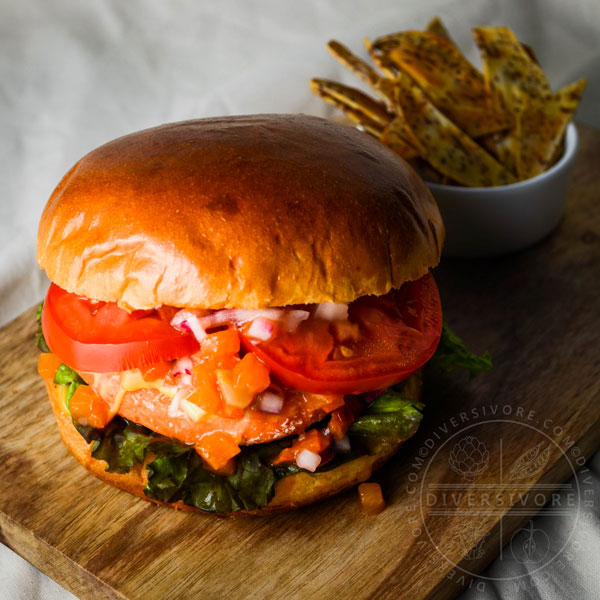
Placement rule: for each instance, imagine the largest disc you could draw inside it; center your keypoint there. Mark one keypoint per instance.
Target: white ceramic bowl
(498, 220)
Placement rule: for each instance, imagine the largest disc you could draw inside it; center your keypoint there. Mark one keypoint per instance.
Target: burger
(239, 311)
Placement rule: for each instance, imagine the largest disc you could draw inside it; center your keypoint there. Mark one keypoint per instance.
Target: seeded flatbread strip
(454, 86)
(395, 136)
(356, 116)
(448, 149)
(359, 119)
(381, 59)
(358, 66)
(398, 128)
(508, 67)
(356, 101)
(506, 146)
(382, 85)
(437, 27)
(386, 88)
(544, 125)
(513, 78)
(347, 99)
(529, 50)
(428, 173)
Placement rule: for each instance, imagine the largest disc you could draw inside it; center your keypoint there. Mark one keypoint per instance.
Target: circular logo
(470, 475)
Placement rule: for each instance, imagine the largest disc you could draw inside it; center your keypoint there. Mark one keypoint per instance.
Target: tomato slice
(384, 340)
(101, 337)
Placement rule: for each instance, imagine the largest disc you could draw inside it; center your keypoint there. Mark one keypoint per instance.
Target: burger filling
(219, 405)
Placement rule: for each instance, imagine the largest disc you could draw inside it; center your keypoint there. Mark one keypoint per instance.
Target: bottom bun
(292, 491)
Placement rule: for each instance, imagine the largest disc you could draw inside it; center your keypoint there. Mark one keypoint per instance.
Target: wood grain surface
(511, 435)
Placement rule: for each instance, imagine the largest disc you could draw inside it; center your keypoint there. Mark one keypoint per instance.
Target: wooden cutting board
(513, 434)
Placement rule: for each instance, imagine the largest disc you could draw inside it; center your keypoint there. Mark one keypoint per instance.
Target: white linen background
(75, 74)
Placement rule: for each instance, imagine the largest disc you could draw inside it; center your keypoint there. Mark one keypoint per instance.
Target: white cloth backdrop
(75, 74)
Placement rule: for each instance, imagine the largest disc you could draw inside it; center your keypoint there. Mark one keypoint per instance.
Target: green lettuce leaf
(40, 340)
(253, 481)
(122, 447)
(67, 376)
(208, 491)
(176, 472)
(390, 418)
(89, 434)
(452, 354)
(166, 475)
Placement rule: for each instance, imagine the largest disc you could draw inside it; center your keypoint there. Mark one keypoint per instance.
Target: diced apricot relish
(156, 371)
(88, 409)
(206, 393)
(370, 499)
(217, 449)
(314, 440)
(229, 468)
(48, 364)
(240, 385)
(220, 343)
(224, 384)
(341, 419)
(251, 375)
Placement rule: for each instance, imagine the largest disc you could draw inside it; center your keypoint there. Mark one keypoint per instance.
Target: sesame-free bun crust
(292, 491)
(247, 212)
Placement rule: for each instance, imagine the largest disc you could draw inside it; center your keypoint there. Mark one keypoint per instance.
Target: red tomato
(385, 339)
(100, 337)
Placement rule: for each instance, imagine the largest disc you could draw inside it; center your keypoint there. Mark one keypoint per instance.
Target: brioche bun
(241, 212)
(292, 491)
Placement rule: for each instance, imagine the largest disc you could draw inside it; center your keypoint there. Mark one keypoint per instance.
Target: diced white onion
(342, 445)
(188, 321)
(174, 409)
(193, 411)
(293, 318)
(183, 366)
(329, 311)
(261, 329)
(185, 379)
(309, 460)
(239, 315)
(184, 320)
(290, 318)
(197, 329)
(270, 402)
(179, 320)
